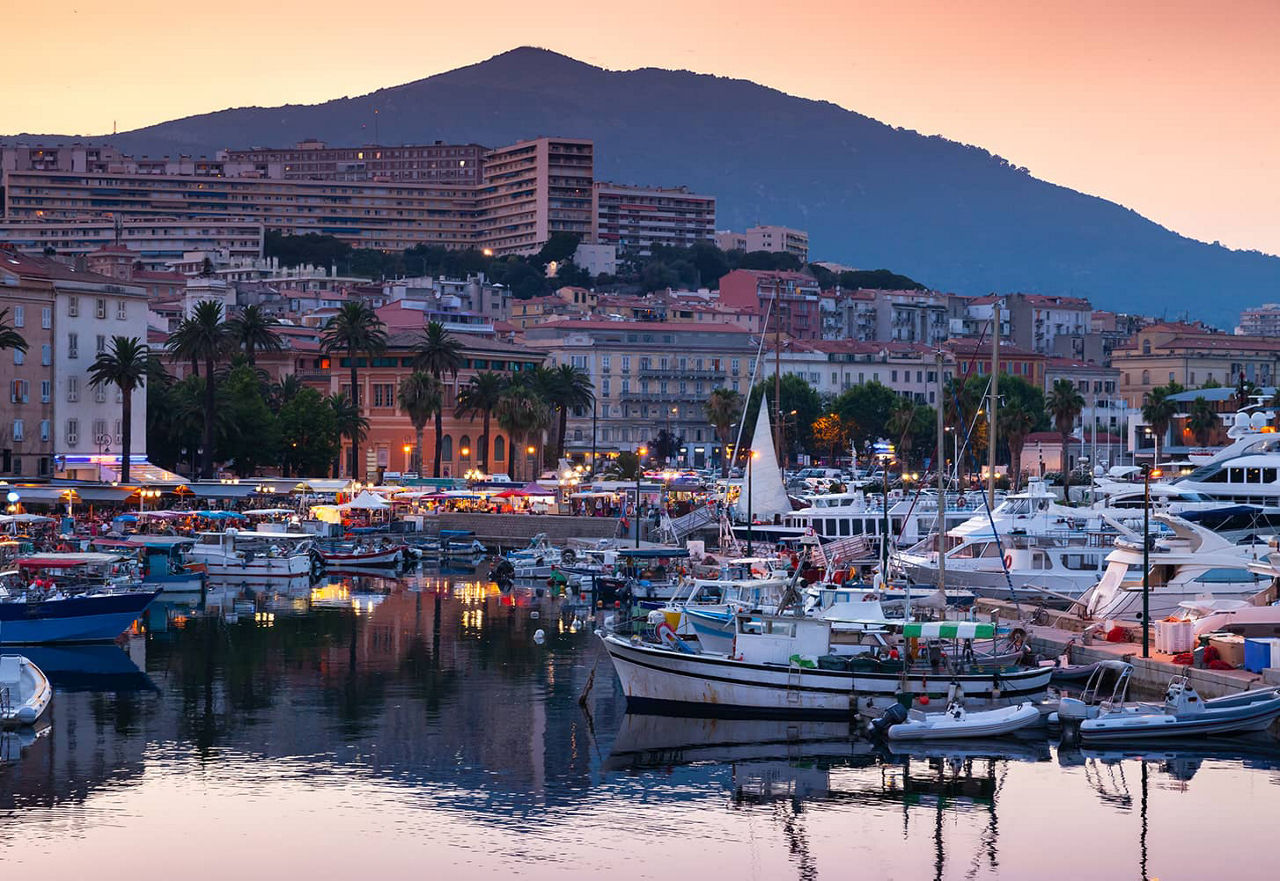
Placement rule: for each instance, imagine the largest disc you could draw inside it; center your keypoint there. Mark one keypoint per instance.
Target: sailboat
(763, 498)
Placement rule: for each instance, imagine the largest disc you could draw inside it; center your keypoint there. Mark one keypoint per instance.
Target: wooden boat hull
(666, 681)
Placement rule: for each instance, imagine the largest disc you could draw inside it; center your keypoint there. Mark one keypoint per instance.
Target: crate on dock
(1175, 637)
(1230, 648)
(1261, 654)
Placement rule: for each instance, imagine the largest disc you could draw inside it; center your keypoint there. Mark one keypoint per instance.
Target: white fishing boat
(708, 606)
(958, 723)
(1187, 565)
(362, 553)
(789, 666)
(253, 556)
(25, 691)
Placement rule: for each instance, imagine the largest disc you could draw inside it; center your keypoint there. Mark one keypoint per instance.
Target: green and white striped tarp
(950, 630)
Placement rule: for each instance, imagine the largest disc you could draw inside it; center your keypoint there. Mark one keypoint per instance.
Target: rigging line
(755, 371)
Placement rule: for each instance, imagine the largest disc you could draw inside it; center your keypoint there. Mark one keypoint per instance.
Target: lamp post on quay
(641, 452)
(1147, 473)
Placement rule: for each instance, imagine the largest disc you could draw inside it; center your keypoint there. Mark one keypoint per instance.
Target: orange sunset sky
(1171, 108)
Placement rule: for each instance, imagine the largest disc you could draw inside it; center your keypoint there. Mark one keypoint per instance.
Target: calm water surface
(426, 732)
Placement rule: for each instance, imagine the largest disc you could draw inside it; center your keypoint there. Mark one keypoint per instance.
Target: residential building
(458, 164)
(390, 432)
(635, 219)
(532, 190)
(774, 239)
(154, 241)
(835, 366)
(1261, 320)
(1193, 357)
(973, 358)
(26, 423)
(1029, 321)
(790, 299)
(1098, 385)
(648, 375)
(922, 317)
(1106, 331)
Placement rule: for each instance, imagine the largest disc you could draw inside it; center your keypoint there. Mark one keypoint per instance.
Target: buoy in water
(924, 700)
(534, 615)
(539, 636)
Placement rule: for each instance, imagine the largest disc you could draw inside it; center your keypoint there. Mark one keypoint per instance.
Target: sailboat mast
(940, 465)
(991, 408)
(778, 427)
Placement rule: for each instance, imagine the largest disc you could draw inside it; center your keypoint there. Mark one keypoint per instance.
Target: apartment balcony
(678, 373)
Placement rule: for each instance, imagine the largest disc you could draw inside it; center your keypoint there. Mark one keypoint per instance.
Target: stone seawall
(515, 530)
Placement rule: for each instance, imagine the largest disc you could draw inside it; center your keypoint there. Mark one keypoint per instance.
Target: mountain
(953, 216)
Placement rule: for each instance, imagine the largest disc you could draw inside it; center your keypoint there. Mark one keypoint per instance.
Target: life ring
(868, 597)
(1008, 561)
(961, 503)
(1017, 638)
(569, 555)
(666, 634)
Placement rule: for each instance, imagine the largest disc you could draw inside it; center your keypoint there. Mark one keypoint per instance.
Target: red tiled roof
(591, 324)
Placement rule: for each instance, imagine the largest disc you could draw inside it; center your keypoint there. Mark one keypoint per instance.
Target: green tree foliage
(797, 395)
(723, 409)
(123, 365)
(253, 438)
(254, 331)
(1202, 420)
(865, 408)
(204, 338)
(665, 445)
(10, 338)
(479, 397)
(309, 434)
(439, 354)
(355, 330)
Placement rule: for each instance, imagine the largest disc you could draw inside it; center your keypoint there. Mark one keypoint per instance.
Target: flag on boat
(949, 630)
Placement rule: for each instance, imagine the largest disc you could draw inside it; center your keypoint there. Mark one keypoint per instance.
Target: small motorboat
(25, 691)
(957, 723)
(1184, 714)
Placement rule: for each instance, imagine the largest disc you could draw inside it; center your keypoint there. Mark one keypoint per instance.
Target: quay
(1064, 633)
(515, 530)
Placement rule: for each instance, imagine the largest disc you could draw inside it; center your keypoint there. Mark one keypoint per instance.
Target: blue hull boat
(86, 618)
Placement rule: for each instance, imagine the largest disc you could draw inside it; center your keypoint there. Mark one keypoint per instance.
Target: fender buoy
(868, 597)
(1008, 561)
(666, 634)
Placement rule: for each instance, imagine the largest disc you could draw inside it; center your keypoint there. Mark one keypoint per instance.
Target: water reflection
(366, 711)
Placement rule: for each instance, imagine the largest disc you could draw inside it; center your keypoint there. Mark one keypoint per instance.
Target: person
(556, 581)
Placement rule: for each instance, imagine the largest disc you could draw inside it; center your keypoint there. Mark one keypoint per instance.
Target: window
(19, 316)
(499, 448)
(73, 306)
(17, 429)
(101, 343)
(122, 310)
(626, 386)
(605, 362)
(1146, 377)
(735, 364)
(101, 310)
(626, 363)
(19, 391)
(19, 357)
(73, 345)
(73, 389)
(44, 430)
(46, 355)
(99, 428)
(446, 448)
(100, 393)
(73, 431)
(46, 318)
(604, 386)
(46, 391)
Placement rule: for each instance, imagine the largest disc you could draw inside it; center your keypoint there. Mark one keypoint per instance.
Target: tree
(439, 352)
(285, 390)
(902, 424)
(309, 433)
(1016, 422)
(204, 336)
(420, 396)
(624, 466)
(479, 397)
(1064, 404)
(568, 388)
(1157, 412)
(521, 412)
(830, 432)
(797, 395)
(1202, 420)
(865, 409)
(253, 438)
(356, 329)
(724, 408)
(9, 337)
(351, 424)
(253, 330)
(123, 365)
(665, 445)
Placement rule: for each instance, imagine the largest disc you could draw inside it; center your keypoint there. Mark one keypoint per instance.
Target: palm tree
(350, 423)
(421, 397)
(204, 337)
(285, 390)
(124, 365)
(439, 352)
(902, 422)
(255, 331)
(1158, 412)
(724, 409)
(479, 397)
(10, 338)
(356, 329)
(1064, 404)
(1202, 420)
(521, 412)
(181, 344)
(569, 388)
(1016, 422)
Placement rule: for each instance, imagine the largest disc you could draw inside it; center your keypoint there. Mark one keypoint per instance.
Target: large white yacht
(1191, 564)
(912, 515)
(1246, 471)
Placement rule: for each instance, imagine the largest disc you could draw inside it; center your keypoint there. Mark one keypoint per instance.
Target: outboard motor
(892, 716)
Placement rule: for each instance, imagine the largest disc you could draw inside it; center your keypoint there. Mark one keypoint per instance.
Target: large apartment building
(508, 200)
(155, 241)
(635, 219)
(1191, 356)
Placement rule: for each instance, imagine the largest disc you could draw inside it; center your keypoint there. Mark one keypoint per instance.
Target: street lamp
(529, 451)
(1147, 473)
(641, 452)
(144, 494)
(408, 448)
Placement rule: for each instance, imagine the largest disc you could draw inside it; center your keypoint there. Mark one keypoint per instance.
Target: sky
(1169, 107)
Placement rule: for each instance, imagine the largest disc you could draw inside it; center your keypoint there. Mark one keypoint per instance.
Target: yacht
(1192, 564)
(912, 516)
(242, 555)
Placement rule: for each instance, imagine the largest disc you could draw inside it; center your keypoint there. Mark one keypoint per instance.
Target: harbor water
(422, 727)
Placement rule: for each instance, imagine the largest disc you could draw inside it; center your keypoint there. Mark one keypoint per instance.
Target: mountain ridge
(953, 215)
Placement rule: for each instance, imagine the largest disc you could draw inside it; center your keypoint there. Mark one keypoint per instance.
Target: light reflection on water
(418, 728)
